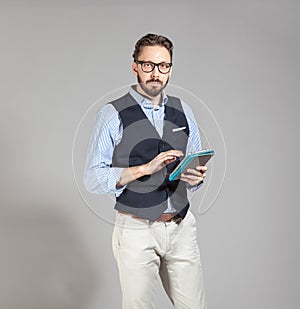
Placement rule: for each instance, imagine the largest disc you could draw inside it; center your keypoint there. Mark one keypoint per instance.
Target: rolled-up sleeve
(194, 140)
(99, 177)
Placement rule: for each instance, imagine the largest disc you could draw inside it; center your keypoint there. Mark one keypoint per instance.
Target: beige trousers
(145, 250)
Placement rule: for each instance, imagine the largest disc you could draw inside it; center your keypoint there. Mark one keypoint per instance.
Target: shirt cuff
(114, 177)
(194, 188)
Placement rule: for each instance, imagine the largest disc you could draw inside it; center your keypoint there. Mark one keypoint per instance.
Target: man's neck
(154, 100)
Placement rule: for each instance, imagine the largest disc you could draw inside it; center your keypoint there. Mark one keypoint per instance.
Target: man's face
(154, 82)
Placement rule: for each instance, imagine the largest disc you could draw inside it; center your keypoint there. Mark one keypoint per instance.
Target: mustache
(154, 80)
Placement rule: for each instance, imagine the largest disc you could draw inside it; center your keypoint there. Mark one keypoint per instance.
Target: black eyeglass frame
(155, 65)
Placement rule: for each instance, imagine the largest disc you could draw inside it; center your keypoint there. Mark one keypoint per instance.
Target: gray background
(59, 57)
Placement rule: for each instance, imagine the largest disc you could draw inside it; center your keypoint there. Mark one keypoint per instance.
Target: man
(136, 143)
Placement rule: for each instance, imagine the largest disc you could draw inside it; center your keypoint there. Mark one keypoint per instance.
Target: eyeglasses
(148, 66)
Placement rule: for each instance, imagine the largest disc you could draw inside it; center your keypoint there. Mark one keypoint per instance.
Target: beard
(151, 90)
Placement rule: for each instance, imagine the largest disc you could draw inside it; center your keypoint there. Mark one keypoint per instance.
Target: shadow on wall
(44, 264)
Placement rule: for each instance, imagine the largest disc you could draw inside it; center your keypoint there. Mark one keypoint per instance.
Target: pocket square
(178, 129)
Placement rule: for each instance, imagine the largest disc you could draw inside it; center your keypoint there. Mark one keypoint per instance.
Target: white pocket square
(178, 129)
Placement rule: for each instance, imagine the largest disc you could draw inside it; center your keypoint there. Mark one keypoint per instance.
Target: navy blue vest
(147, 196)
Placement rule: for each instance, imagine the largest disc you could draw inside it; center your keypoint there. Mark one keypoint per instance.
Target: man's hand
(194, 176)
(161, 160)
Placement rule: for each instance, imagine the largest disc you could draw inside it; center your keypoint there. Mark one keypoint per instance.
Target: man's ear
(134, 68)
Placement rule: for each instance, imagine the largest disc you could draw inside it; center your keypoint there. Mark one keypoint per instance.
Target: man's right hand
(161, 160)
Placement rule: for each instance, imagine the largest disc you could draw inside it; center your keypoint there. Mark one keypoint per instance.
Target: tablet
(191, 161)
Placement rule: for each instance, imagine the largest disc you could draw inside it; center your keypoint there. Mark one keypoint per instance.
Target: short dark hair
(151, 39)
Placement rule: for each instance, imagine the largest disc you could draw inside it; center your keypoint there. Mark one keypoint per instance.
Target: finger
(168, 156)
(165, 158)
(201, 168)
(191, 181)
(196, 173)
(173, 152)
(168, 161)
(192, 177)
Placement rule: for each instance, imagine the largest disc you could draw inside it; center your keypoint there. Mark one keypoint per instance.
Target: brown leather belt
(169, 218)
(163, 218)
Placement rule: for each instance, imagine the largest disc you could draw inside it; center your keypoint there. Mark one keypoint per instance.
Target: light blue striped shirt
(99, 177)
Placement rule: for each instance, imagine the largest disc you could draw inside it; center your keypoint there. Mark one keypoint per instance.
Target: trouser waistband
(165, 217)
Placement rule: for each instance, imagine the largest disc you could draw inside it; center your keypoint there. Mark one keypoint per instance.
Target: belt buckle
(177, 219)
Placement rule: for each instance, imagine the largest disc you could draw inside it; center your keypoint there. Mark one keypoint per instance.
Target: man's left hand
(194, 176)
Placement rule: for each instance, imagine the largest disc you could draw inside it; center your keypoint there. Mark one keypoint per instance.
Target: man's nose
(155, 72)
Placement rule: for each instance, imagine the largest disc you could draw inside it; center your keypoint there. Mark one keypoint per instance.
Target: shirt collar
(144, 101)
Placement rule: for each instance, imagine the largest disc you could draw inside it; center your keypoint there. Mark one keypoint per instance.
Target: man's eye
(164, 65)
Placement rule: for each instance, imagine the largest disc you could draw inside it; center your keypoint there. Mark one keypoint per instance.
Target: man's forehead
(155, 54)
